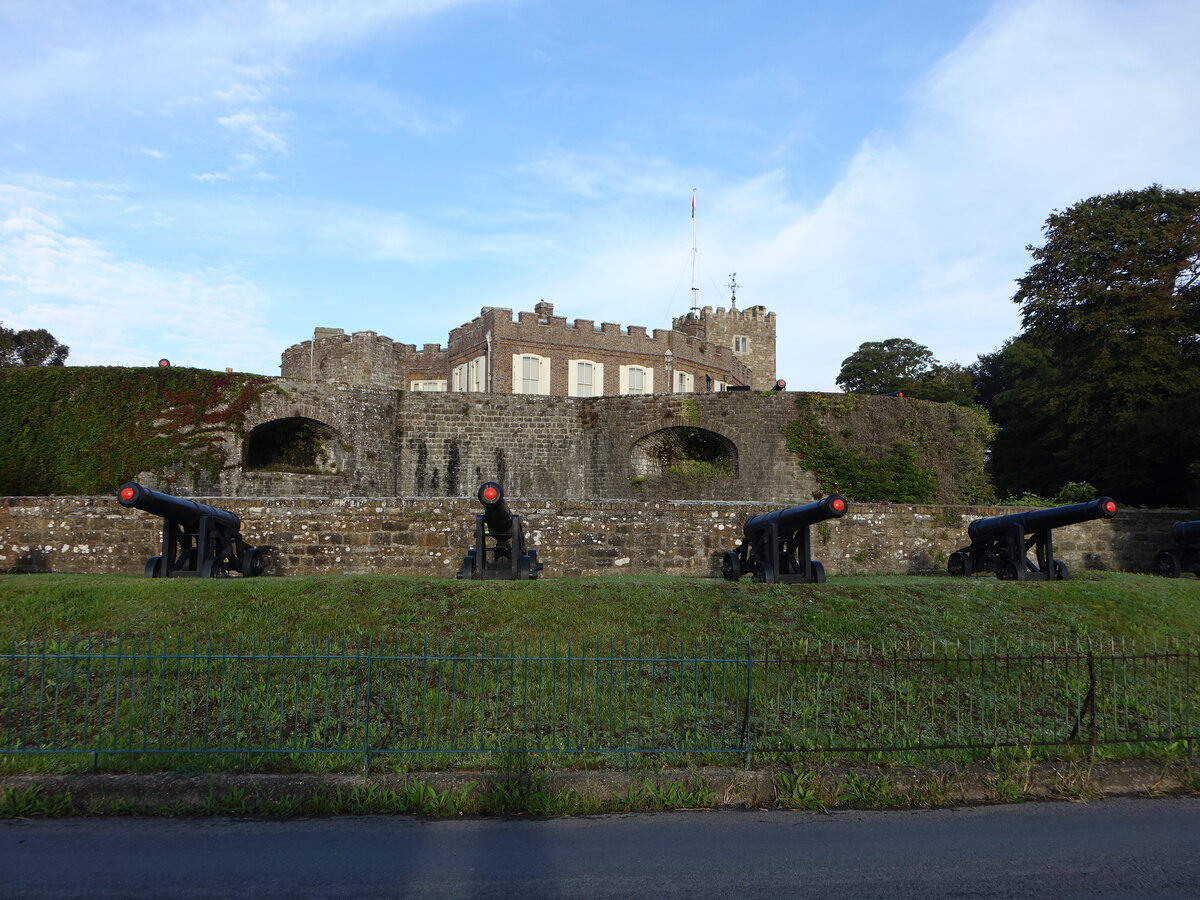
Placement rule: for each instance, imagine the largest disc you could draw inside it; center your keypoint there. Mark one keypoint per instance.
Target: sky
(209, 181)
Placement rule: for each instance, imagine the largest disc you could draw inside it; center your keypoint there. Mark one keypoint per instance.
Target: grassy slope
(873, 609)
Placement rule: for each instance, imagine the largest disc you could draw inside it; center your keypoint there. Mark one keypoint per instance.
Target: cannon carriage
(777, 546)
(1001, 544)
(198, 541)
(1184, 556)
(499, 551)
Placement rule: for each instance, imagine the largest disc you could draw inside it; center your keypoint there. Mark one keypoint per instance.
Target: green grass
(872, 609)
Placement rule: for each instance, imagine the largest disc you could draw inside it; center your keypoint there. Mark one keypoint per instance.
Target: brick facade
(495, 339)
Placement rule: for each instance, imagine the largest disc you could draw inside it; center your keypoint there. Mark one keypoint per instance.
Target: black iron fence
(225, 695)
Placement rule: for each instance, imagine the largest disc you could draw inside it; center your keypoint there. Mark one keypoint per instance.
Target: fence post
(367, 712)
(746, 744)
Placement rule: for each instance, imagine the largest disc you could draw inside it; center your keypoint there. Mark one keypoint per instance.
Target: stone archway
(684, 452)
(295, 444)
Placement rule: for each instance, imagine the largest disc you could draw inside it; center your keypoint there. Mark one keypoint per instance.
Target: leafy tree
(950, 383)
(900, 364)
(883, 367)
(30, 348)
(1102, 385)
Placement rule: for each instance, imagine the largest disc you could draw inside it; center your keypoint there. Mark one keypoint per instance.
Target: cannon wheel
(253, 563)
(731, 566)
(1007, 570)
(1061, 572)
(818, 572)
(1167, 565)
(959, 564)
(154, 567)
(213, 568)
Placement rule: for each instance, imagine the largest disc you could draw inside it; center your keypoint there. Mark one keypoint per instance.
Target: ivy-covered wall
(84, 430)
(893, 449)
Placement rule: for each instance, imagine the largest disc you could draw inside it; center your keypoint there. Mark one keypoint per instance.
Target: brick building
(540, 353)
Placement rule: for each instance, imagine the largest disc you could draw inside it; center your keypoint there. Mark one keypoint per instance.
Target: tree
(884, 367)
(30, 348)
(899, 364)
(1111, 311)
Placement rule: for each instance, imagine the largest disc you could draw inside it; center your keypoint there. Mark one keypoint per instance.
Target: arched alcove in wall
(684, 451)
(295, 444)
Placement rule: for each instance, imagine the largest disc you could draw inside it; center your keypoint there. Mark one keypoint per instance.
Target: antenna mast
(695, 289)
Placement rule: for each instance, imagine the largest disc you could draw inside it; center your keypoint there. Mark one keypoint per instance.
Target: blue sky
(208, 181)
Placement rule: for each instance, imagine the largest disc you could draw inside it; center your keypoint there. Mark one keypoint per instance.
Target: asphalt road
(1107, 848)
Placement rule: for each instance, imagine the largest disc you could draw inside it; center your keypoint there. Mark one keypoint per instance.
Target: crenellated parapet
(361, 359)
(492, 353)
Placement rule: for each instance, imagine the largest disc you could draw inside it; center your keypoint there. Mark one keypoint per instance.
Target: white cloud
(254, 127)
(1047, 102)
(115, 311)
(212, 176)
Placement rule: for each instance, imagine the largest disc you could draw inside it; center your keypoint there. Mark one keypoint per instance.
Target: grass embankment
(872, 609)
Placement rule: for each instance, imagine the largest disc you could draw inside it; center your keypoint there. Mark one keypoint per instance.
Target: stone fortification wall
(572, 537)
(362, 359)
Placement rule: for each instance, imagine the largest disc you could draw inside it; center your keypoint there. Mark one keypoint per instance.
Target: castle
(706, 351)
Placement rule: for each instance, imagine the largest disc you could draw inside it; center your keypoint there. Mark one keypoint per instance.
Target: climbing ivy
(888, 449)
(84, 430)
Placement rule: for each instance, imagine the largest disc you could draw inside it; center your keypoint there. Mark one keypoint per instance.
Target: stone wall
(573, 537)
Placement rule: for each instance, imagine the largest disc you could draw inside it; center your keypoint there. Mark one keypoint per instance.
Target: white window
(719, 385)
(741, 343)
(585, 378)
(428, 385)
(684, 383)
(458, 378)
(531, 374)
(637, 380)
(477, 375)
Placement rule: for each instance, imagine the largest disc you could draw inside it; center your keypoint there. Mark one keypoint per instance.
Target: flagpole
(695, 289)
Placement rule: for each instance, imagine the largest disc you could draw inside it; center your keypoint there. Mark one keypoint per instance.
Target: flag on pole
(693, 204)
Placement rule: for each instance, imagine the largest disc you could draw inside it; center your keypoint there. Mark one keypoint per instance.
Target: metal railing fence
(286, 695)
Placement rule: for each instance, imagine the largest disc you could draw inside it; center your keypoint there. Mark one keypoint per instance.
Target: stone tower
(750, 333)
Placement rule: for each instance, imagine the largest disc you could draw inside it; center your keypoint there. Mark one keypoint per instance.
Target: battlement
(699, 344)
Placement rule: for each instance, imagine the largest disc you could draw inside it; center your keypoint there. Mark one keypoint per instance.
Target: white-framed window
(684, 383)
(720, 385)
(585, 378)
(741, 343)
(427, 385)
(531, 374)
(458, 378)
(477, 374)
(637, 380)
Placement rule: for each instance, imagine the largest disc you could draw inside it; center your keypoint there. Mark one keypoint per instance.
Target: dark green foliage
(84, 430)
(30, 347)
(898, 450)
(883, 367)
(899, 364)
(1102, 384)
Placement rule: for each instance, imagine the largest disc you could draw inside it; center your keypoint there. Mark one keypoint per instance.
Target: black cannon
(999, 543)
(776, 546)
(1184, 556)
(506, 556)
(197, 540)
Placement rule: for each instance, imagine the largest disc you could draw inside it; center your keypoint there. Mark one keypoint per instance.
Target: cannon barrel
(496, 514)
(1185, 532)
(787, 520)
(1043, 519)
(177, 509)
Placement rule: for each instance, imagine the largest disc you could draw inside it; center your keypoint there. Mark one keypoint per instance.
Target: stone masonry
(394, 536)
